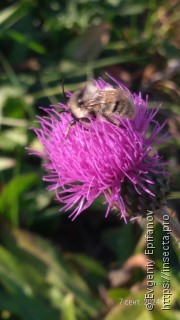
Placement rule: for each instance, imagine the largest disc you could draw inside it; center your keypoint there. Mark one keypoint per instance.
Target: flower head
(118, 161)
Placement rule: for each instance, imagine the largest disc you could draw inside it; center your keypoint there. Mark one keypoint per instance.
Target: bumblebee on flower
(113, 155)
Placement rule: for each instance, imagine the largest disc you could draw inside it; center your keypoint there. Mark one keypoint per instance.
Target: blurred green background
(50, 267)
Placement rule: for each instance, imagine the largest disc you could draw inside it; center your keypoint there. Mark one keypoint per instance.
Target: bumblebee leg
(110, 119)
(73, 122)
(70, 125)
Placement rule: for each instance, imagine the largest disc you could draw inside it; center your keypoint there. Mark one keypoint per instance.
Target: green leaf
(133, 9)
(9, 12)
(26, 307)
(22, 39)
(36, 278)
(9, 139)
(92, 271)
(68, 308)
(6, 163)
(10, 196)
(115, 239)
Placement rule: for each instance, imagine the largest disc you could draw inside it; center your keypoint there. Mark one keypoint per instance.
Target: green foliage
(38, 283)
(55, 268)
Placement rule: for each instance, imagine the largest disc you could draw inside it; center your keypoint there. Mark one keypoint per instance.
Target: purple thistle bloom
(100, 158)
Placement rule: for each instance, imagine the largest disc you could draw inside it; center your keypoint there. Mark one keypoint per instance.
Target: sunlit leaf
(9, 12)
(6, 163)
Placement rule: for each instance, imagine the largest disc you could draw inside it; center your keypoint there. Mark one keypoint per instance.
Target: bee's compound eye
(80, 102)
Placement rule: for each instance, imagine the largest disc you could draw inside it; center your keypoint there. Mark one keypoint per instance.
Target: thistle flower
(119, 162)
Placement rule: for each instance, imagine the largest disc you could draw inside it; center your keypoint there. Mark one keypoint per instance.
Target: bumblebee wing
(102, 98)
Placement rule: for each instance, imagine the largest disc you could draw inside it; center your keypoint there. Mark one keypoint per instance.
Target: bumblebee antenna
(63, 90)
